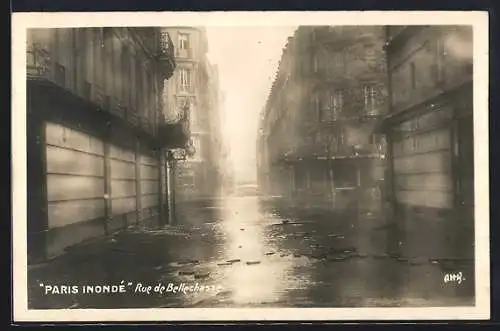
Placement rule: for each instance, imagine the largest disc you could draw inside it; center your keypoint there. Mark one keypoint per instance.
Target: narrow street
(246, 252)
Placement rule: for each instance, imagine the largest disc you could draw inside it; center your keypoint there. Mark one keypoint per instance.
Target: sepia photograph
(273, 163)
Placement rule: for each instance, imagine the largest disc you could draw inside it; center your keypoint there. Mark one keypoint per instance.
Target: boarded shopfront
(75, 186)
(95, 187)
(149, 174)
(422, 161)
(433, 179)
(89, 173)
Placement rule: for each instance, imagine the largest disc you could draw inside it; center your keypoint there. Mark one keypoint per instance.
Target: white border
(22, 21)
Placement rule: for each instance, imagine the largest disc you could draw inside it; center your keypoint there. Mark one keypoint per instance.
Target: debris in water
(186, 272)
(253, 262)
(283, 255)
(201, 275)
(233, 260)
(73, 306)
(417, 261)
(333, 235)
(296, 255)
(336, 259)
(159, 267)
(349, 251)
(239, 246)
(224, 264)
(270, 253)
(188, 262)
(242, 229)
(318, 255)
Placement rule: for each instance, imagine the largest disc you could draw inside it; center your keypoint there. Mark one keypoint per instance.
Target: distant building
(196, 84)
(430, 138)
(317, 139)
(93, 132)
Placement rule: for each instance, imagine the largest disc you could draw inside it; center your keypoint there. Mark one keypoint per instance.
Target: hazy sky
(247, 60)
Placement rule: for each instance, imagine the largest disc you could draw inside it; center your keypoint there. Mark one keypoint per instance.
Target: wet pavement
(250, 252)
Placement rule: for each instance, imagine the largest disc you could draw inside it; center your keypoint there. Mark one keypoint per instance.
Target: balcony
(39, 63)
(166, 54)
(175, 134)
(183, 53)
(398, 35)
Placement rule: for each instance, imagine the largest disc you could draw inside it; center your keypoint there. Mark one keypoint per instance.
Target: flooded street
(247, 252)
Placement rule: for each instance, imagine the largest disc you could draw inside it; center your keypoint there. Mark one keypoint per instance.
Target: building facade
(196, 84)
(93, 132)
(317, 139)
(430, 138)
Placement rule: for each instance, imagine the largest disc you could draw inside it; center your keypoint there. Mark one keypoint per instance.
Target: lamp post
(178, 154)
(170, 186)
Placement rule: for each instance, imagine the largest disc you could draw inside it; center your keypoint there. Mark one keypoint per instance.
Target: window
(331, 104)
(125, 74)
(60, 74)
(375, 138)
(139, 92)
(339, 59)
(196, 144)
(315, 60)
(341, 137)
(413, 75)
(440, 60)
(193, 118)
(183, 41)
(337, 101)
(185, 80)
(369, 96)
(108, 60)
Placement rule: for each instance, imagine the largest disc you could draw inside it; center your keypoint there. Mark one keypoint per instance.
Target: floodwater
(251, 251)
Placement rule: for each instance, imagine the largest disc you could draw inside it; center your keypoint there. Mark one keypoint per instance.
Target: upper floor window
(337, 101)
(184, 79)
(369, 96)
(330, 104)
(440, 68)
(315, 62)
(338, 59)
(183, 41)
(413, 75)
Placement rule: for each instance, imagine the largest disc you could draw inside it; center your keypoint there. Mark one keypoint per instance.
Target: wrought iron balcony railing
(39, 62)
(175, 134)
(166, 54)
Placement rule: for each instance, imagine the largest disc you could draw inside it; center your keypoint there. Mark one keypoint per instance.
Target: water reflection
(257, 277)
(278, 256)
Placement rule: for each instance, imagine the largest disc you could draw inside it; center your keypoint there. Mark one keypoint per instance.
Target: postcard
(238, 166)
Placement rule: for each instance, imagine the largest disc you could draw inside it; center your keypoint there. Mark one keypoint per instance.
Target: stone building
(94, 124)
(430, 138)
(318, 139)
(195, 85)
